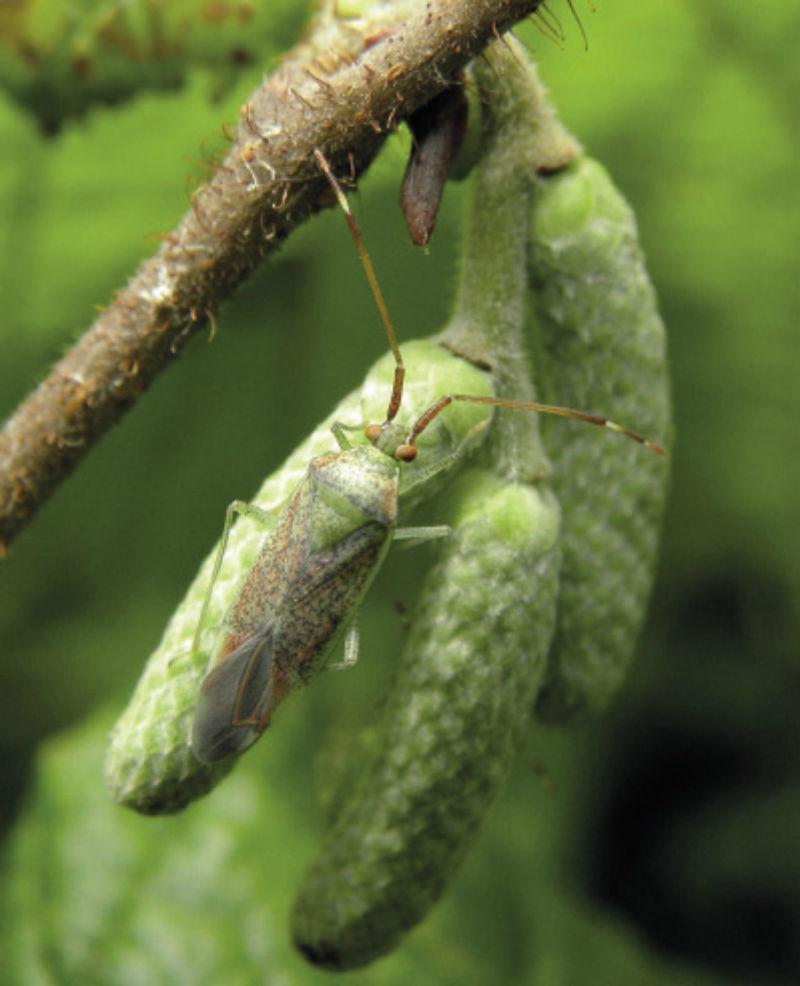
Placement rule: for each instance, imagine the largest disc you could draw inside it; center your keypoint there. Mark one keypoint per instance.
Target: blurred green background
(662, 844)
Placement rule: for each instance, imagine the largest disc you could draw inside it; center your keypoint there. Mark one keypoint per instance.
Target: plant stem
(520, 137)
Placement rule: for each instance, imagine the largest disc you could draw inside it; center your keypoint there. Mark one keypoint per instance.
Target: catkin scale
(602, 346)
(457, 710)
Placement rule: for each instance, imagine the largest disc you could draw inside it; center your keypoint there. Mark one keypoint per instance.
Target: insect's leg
(419, 535)
(339, 428)
(350, 650)
(249, 510)
(243, 509)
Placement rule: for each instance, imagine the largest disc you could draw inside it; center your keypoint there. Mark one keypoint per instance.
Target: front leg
(243, 509)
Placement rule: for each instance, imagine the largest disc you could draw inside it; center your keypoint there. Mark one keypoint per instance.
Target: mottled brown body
(299, 596)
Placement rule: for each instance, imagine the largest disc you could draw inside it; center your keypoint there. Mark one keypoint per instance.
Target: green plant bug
(319, 558)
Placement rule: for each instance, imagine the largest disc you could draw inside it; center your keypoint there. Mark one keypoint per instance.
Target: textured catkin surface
(149, 764)
(603, 348)
(462, 696)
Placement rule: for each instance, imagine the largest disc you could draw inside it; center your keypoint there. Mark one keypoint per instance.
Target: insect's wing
(234, 703)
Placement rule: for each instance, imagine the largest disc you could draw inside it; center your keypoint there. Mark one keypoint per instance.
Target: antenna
(399, 369)
(408, 451)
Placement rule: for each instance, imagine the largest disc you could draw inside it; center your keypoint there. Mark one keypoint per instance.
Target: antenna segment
(399, 369)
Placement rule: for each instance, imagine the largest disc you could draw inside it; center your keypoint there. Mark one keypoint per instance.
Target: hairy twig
(342, 89)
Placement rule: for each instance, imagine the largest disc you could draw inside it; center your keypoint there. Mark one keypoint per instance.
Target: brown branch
(341, 90)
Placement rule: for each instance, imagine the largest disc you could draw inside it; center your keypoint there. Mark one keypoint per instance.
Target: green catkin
(456, 713)
(448, 735)
(480, 637)
(149, 764)
(602, 347)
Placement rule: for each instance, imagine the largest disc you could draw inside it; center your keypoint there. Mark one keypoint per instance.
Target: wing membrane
(233, 709)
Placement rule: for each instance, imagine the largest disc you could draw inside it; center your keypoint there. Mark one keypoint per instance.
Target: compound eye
(373, 432)
(406, 453)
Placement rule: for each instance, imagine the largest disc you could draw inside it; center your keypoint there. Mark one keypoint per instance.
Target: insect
(318, 561)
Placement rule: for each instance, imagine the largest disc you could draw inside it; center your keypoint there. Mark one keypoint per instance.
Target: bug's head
(391, 438)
